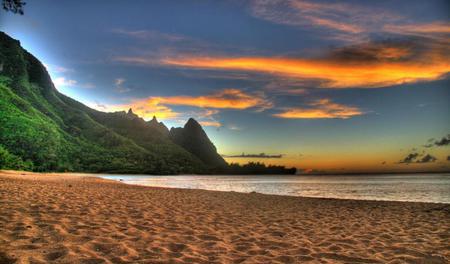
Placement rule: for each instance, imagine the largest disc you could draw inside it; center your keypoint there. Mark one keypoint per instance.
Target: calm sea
(414, 187)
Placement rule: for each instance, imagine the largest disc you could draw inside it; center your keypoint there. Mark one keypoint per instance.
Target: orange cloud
(147, 108)
(211, 123)
(321, 109)
(335, 74)
(388, 51)
(225, 99)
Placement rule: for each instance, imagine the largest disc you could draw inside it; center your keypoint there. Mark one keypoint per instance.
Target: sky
(325, 86)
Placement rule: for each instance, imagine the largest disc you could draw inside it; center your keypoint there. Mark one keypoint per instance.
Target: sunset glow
(333, 86)
(334, 74)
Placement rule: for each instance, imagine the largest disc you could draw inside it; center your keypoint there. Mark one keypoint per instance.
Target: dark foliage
(14, 6)
(255, 168)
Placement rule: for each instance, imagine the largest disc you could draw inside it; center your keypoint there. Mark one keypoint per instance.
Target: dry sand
(49, 218)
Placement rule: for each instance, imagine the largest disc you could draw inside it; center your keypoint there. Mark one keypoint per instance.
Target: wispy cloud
(161, 43)
(119, 81)
(339, 18)
(207, 117)
(210, 105)
(224, 99)
(344, 21)
(364, 65)
(62, 82)
(211, 123)
(234, 127)
(320, 109)
(438, 29)
(332, 73)
(57, 69)
(150, 35)
(119, 84)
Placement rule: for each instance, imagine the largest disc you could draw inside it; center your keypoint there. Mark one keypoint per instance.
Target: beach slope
(69, 218)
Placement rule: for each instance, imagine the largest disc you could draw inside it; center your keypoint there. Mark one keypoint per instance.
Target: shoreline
(262, 176)
(280, 195)
(96, 175)
(80, 218)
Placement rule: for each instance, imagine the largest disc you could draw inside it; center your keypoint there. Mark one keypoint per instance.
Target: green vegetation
(44, 130)
(9, 161)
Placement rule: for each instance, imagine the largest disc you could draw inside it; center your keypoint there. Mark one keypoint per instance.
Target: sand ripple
(71, 219)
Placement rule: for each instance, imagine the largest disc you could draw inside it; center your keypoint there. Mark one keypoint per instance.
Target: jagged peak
(158, 125)
(154, 120)
(192, 123)
(132, 115)
(193, 138)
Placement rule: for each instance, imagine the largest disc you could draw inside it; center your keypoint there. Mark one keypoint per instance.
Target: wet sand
(70, 218)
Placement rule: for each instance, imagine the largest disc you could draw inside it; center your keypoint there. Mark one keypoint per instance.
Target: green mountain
(44, 130)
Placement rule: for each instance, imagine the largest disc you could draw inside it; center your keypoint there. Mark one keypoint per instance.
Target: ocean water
(414, 187)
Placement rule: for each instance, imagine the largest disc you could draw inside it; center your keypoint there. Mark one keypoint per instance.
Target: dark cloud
(375, 51)
(260, 155)
(418, 158)
(427, 159)
(390, 50)
(445, 141)
(411, 158)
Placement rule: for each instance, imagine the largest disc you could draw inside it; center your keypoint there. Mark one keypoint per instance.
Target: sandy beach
(70, 218)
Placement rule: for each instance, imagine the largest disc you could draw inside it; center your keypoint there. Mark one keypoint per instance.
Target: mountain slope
(48, 131)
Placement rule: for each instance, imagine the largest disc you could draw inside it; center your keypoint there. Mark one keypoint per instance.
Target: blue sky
(338, 86)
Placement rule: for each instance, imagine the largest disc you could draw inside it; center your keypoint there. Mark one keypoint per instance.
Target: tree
(15, 6)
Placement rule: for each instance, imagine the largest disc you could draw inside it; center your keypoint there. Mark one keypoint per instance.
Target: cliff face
(193, 138)
(44, 130)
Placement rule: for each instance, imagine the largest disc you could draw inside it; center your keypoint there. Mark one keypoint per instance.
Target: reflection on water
(416, 187)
